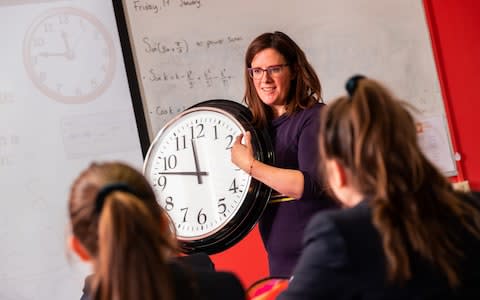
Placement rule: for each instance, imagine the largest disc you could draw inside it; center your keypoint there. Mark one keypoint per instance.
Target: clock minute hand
(184, 173)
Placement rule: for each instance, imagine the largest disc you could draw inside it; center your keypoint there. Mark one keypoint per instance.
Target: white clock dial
(69, 55)
(192, 173)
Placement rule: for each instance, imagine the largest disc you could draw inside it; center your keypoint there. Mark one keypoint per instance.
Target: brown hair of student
(129, 241)
(374, 137)
(305, 89)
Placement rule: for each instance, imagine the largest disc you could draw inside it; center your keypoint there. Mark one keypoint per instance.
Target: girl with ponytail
(118, 226)
(404, 233)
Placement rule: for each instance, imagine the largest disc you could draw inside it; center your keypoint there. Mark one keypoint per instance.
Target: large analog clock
(69, 55)
(213, 204)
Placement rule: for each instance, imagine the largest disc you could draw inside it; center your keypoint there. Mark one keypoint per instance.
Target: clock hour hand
(197, 165)
(68, 51)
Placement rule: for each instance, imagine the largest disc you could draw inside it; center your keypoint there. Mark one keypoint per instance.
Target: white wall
(62, 105)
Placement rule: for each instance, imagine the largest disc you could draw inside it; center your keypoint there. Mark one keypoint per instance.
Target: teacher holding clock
(283, 93)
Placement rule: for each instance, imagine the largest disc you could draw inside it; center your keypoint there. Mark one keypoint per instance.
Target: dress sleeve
(308, 154)
(320, 272)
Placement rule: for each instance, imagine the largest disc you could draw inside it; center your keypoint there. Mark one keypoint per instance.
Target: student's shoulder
(219, 285)
(206, 284)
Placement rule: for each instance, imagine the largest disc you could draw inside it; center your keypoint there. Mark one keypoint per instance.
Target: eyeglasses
(273, 71)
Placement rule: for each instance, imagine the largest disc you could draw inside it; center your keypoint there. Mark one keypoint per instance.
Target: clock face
(69, 55)
(190, 168)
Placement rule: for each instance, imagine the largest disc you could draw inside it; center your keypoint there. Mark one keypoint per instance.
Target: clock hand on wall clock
(197, 165)
(198, 174)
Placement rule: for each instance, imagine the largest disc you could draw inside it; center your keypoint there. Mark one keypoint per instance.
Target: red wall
(455, 33)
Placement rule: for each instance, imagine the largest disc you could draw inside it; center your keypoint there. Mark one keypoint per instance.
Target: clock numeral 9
(169, 203)
(162, 182)
(170, 162)
(197, 131)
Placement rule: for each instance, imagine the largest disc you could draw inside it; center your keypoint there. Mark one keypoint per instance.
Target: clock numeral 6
(201, 217)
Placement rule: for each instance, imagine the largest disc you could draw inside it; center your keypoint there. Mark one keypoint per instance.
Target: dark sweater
(295, 140)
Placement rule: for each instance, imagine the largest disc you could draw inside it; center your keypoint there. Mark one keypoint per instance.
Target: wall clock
(69, 55)
(212, 203)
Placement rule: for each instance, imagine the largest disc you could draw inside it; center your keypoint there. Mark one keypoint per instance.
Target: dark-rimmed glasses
(273, 71)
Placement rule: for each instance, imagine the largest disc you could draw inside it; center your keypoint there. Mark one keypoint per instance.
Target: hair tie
(352, 83)
(107, 189)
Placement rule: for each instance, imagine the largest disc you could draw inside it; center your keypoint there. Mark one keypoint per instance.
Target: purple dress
(295, 140)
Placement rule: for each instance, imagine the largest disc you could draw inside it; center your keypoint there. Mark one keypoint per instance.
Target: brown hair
(129, 240)
(305, 88)
(373, 136)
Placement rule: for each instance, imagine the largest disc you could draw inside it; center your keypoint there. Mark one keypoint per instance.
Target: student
(283, 93)
(118, 226)
(404, 232)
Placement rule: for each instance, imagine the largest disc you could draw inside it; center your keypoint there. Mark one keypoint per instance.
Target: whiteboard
(64, 101)
(188, 51)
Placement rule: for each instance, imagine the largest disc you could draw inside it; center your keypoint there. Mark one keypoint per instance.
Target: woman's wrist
(250, 168)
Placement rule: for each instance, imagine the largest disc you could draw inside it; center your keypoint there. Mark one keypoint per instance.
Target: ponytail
(132, 253)
(374, 137)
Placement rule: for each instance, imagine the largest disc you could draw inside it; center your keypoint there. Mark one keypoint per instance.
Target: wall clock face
(69, 55)
(211, 202)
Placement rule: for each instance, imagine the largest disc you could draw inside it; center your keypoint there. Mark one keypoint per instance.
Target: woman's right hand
(242, 154)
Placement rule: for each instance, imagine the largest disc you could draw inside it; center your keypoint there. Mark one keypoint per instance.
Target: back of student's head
(116, 218)
(374, 137)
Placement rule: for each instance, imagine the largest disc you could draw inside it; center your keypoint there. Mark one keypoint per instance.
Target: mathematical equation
(154, 7)
(207, 78)
(9, 145)
(181, 46)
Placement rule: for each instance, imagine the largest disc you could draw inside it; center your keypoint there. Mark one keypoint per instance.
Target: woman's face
(272, 87)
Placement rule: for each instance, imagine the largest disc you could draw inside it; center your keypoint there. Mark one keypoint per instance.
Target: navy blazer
(194, 277)
(343, 258)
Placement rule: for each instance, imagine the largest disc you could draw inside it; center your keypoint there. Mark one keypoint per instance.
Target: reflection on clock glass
(69, 55)
(190, 167)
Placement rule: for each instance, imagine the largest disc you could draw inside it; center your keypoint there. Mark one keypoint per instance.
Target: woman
(406, 234)
(118, 226)
(283, 93)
